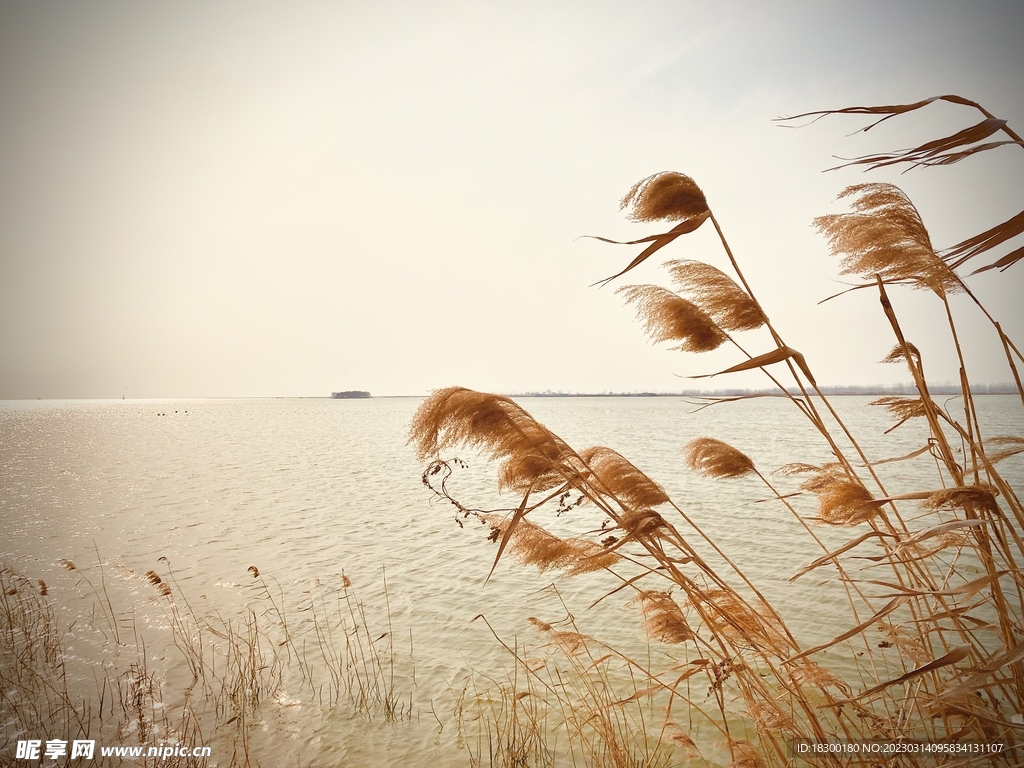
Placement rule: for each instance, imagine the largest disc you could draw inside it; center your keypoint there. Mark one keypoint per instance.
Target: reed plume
(716, 294)
(530, 455)
(948, 663)
(669, 317)
(664, 620)
(885, 236)
(842, 500)
(666, 196)
(903, 408)
(619, 477)
(897, 355)
(530, 544)
(1013, 446)
(716, 459)
(963, 497)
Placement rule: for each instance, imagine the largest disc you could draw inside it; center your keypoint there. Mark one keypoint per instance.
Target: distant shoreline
(838, 390)
(943, 390)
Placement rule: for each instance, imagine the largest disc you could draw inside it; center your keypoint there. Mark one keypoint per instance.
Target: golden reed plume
(842, 500)
(530, 544)
(664, 620)
(716, 459)
(885, 236)
(668, 317)
(622, 479)
(717, 294)
(665, 196)
(530, 456)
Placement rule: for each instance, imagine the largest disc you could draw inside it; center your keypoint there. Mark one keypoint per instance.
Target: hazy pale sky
(250, 198)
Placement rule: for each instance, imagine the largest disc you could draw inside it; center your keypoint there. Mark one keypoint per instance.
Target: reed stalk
(235, 664)
(950, 671)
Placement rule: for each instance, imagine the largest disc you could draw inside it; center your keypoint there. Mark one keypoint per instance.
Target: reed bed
(933, 569)
(235, 672)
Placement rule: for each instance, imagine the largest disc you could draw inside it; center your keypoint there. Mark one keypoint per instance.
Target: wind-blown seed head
(619, 477)
(735, 619)
(896, 354)
(665, 196)
(1014, 445)
(902, 408)
(745, 755)
(530, 544)
(813, 674)
(960, 497)
(543, 626)
(885, 236)
(768, 717)
(716, 293)
(532, 457)
(669, 317)
(716, 459)
(842, 500)
(664, 620)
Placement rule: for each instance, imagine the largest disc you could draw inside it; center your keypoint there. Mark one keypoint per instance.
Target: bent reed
(935, 569)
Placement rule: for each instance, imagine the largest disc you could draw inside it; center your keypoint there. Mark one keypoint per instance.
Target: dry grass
(239, 667)
(935, 570)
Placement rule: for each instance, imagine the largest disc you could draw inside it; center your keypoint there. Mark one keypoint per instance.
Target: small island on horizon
(349, 393)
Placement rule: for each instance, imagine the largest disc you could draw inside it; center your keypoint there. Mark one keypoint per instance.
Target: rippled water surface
(305, 489)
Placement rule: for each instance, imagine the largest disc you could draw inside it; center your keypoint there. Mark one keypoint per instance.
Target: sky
(286, 199)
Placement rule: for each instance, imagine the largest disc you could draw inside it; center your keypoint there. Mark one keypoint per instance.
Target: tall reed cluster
(936, 568)
(236, 672)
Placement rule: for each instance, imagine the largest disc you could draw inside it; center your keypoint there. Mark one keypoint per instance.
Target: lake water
(305, 489)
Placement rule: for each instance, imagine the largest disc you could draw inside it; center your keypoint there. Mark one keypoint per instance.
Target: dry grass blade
(911, 455)
(832, 555)
(957, 654)
(716, 459)
(981, 673)
(932, 152)
(886, 238)
(938, 530)
(657, 242)
(889, 110)
(716, 293)
(669, 317)
(1003, 263)
(889, 607)
(985, 241)
(955, 157)
(768, 358)
(968, 589)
